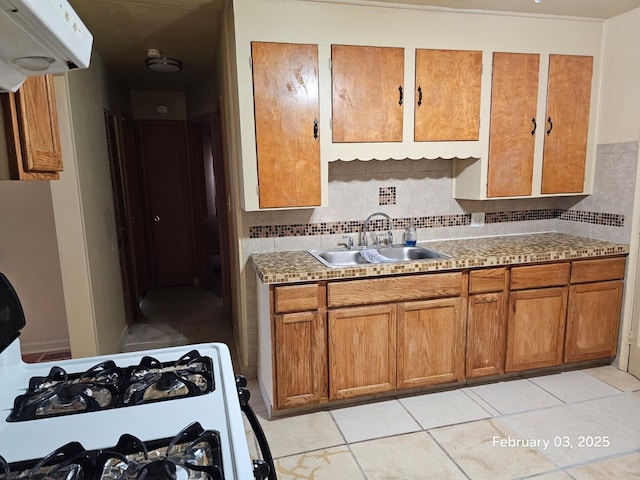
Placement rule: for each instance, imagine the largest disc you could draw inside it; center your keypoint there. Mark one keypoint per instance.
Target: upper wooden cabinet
(367, 93)
(514, 92)
(566, 123)
(31, 125)
(286, 108)
(515, 125)
(447, 103)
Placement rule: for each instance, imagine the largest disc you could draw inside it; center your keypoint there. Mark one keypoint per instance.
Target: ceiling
(188, 30)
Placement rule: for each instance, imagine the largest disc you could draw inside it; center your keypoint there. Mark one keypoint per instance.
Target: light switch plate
(477, 219)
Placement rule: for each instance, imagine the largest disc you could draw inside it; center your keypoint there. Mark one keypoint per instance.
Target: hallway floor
(174, 316)
(582, 425)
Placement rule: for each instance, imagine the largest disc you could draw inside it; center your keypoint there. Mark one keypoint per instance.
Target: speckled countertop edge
(301, 266)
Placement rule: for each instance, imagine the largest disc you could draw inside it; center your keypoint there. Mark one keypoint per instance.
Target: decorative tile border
(387, 196)
(434, 221)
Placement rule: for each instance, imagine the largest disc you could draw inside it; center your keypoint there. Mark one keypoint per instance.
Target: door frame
(213, 123)
(629, 352)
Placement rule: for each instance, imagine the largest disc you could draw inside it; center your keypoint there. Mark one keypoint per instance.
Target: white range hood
(39, 37)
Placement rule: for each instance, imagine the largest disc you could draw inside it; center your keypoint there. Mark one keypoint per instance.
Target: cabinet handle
(550, 125)
(315, 128)
(401, 95)
(535, 125)
(419, 96)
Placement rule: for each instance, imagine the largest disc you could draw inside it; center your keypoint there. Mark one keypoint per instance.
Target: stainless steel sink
(342, 257)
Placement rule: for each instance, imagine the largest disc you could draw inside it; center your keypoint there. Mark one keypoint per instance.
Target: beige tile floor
(581, 425)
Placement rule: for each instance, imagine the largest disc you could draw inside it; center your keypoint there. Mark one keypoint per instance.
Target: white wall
(145, 105)
(620, 97)
(29, 259)
(83, 204)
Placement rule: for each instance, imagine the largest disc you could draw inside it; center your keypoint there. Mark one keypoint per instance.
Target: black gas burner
(193, 454)
(107, 386)
(60, 393)
(152, 380)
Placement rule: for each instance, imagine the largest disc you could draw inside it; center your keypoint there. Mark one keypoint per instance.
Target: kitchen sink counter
(301, 266)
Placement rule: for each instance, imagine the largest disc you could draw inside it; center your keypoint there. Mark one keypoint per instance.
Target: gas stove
(173, 413)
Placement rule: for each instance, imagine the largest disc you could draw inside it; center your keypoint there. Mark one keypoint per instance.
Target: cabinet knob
(156, 218)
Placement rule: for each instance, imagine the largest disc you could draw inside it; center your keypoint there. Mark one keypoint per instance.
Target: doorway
(168, 185)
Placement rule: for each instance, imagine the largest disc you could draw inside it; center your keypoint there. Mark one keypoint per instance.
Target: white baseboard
(42, 347)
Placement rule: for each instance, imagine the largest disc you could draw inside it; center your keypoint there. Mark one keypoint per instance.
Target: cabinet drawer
(597, 270)
(536, 276)
(487, 280)
(394, 289)
(294, 298)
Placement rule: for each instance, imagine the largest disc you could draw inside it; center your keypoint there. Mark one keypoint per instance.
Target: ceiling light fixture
(159, 63)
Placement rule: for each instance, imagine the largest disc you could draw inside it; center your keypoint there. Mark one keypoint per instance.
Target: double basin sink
(343, 257)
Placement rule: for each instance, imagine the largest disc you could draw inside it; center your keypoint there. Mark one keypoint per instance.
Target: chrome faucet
(389, 235)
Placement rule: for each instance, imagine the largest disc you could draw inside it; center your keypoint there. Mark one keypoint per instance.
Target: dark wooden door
(169, 222)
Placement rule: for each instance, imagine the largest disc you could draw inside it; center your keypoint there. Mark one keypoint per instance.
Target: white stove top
(217, 410)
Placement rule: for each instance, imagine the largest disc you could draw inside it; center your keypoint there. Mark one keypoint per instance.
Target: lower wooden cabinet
(301, 359)
(535, 330)
(486, 330)
(362, 351)
(431, 342)
(593, 319)
(330, 341)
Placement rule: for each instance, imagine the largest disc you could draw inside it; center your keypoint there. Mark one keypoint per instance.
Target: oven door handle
(259, 470)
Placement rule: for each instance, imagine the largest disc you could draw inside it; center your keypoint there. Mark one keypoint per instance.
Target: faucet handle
(349, 241)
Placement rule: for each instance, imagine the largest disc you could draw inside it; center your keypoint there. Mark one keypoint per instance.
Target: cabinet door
(535, 330)
(514, 101)
(368, 96)
(285, 89)
(567, 123)
(592, 321)
(486, 334)
(431, 342)
(362, 351)
(447, 95)
(31, 123)
(301, 359)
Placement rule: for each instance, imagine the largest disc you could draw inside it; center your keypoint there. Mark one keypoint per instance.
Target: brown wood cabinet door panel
(395, 289)
(535, 330)
(40, 136)
(362, 351)
(430, 342)
(447, 95)
(583, 271)
(292, 298)
(285, 89)
(300, 346)
(486, 334)
(487, 280)
(593, 319)
(537, 276)
(514, 93)
(31, 128)
(366, 92)
(566, 123)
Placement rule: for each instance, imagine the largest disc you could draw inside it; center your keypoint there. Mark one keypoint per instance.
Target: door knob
(156, 218)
